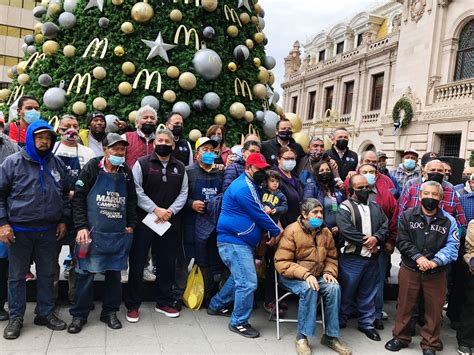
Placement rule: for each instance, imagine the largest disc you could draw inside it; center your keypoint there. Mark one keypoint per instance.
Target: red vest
(137, 148)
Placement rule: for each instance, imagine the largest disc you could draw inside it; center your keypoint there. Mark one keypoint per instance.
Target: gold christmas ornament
(4, 93)
(119, 51)
(257, 62)
(271, 79)
(99, 73)
(258, 8)
(232, 66)
(54, 8)
(187, 81)
(38, 27)
(132, 116)
(220, 119)
(79, 108)
(50, 47)
(169, 96)
(278, 110)
(194, 135)
(10, 73)
(249, 43)
(254, 20)
(263, 75)
(128, 68)
(99, 103)
(117, 2)
(259, 91)
(21, 67)
(295, 120)
(232, 31)
(172, 72)
(125, 88)
(259, 37)
(127, 27)
(248, 117)
(244, 18)
(142, 12)
(303, 139)
(237, 110)
(69, 51)
(176, 15)
(45, 3)
(23, 79)
(209, 5)
(38, 38)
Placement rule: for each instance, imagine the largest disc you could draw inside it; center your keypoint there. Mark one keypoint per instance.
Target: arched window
(465, 55)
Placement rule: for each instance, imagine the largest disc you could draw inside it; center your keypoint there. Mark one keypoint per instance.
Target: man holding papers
(162, 188)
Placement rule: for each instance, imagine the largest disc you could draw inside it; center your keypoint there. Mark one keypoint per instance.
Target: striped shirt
(467, 203)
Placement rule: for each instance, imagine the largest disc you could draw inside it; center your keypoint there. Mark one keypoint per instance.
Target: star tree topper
(95, 3)
(158, 47)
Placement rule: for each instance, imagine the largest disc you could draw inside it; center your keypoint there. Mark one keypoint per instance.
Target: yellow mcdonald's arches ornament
(232, 66)
(187, 36)
(142, 12)
(119, 51)
(232, 31)
(99, 103)
(209, 5)
(259, 91)
(80, 79)
(50, 47)
(79, 108)
(295, 120)
(303, 139)
(244, 88)
(125, 88)
(220, 119)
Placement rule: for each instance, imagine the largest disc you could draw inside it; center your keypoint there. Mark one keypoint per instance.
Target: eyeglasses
(163, 177)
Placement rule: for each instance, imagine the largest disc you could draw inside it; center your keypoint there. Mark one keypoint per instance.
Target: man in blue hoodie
(33, 208)
(241, 224)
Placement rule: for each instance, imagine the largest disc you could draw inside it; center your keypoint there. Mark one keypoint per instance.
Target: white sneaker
(124, 276)
(384, 315)
(148, 276)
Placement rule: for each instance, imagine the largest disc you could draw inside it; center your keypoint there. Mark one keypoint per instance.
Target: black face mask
(163, 150)
(99, 136)
(259, 177)
(362, 195)
(42, 153)
(148, 128)
(438, 177)
(342, 144)
(177, 131)
(430, 203)
(325, 178)
(285, 135)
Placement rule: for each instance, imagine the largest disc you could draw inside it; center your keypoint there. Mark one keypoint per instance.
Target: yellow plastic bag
(194, 293)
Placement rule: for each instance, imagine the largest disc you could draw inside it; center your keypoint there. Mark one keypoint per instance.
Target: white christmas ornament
(111, 126)
(70, 5)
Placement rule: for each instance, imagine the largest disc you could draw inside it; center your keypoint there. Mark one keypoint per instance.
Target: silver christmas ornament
(67, 20)
(207, 63)
(104, 22)
(241, 53)
(260, 116)
(70, 5)
(31, 49)
(182, 108)
(39, 11)
(269, 126)
(49, 29)
(45, 80)
(212, 100)
(199, 105)
(54, 98)
(152, 101)
(269, 62)
(110, 125)
(208, 32)
(29, 40)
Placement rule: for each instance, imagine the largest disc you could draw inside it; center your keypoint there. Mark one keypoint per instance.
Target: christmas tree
(203, 58)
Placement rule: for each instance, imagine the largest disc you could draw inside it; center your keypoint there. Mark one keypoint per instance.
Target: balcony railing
(370, 117)
(344, 119)
(459, 90)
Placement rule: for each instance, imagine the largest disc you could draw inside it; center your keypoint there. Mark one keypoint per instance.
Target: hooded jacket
(232, 172)
(33, 189)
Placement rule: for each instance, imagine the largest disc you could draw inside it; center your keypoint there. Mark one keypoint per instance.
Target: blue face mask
(289, 165)
(208, 158)
(370, 179)
(315, 222)
(409, 164)
(31, 116)
(115, 160)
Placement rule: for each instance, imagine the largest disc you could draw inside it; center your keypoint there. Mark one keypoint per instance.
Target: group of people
(326, 221)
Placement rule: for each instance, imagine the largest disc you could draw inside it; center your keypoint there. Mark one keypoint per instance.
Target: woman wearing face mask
(217, 133)
(290, 184)
(306, 259)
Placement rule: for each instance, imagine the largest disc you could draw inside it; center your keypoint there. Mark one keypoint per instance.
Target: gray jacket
(7, 147)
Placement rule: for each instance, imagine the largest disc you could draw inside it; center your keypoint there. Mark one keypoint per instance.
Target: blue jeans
(384, 261)
(241, 284)
(42, 247)
(359, 278)
(307, 307)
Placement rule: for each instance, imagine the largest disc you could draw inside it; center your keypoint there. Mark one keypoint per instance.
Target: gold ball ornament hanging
(54, 8)
(249, 43)
(172, 72)
(271, 79)
(132, 116)
(232, 31)
(119, 51)
(21, 67)
(117, 2)
(220, 119)
(4, 93)
(176, 15)
(232, 66)
(10, 73)
(23, 79)
(257, 62)
(194, 135)
(303, 139)
(263, 75)
(79, 108)
(127, 27)
(39, 38)
(45, 3)
(50, 47)
(38, 27)
(209, 5)
(295, 120)
(259, 37)
(260, 91)
(69, 51)
(169, 96)
(99, 103)
(99, 73)
(248, 117)
(125, 88)
(187, 81)
(128, 68)
(142, 12)
(258, 8)
(254, 20)
(237, 110)
(278, 110)
(244, 18)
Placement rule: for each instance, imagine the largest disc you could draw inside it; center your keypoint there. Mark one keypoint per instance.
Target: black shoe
(429, 352)
(371, 333)
(51, 321)
(245, 330)
(177, 304)
(76, 325)
(3, 315)
(112, 321)
(378, 324)
(12, 330)
(225, 312)
(395, 345)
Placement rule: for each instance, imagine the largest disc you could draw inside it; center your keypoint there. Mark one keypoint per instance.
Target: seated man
(308, 270)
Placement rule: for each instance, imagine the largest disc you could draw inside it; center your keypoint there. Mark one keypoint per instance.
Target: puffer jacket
(302, 252)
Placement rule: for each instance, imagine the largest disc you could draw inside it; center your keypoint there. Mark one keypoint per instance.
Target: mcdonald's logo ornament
(187, 36)
(244, 88)
(104, 43)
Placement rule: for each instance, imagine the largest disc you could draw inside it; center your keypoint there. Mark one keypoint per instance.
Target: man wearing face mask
(93, 136)
(284, 138)
(237, 168)
(182, 148)
(408, 169)
(162, 188)
(7, 146)
(105, 215)
(29, 112)
(345, 158)
(363, 227)
(428, 241)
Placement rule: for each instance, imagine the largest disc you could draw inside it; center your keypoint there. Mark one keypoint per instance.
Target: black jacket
(347, 163)
(84, 184)
(271, 148)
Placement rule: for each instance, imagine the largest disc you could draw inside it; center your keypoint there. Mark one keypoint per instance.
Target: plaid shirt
(402, 175)
(467, 203)
(450, 203)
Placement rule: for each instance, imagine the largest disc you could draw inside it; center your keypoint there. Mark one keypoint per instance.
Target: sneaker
(302, 347)
(246, 330)
(464, 350)
(225, 312)
(133, 316)
(148, 276)
(384, 315)
(124, 276)
(336, 345)
(167, 311)
(29, 276)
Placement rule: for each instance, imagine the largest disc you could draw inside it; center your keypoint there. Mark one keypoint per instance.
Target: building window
(377, 90)
(359, 39)
(348, 94)
(340, 47)
(321, 55)
(328, 98)
(294, 104)
(450, 144)
(12, 31)
(465, 55)
(312, 103)
(26, 4)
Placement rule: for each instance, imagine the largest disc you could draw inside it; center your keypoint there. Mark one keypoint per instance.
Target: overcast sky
(287, 21)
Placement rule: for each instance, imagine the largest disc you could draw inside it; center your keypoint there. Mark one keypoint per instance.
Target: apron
(107, 216)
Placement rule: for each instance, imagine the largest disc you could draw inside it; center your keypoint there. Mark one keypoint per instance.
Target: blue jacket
(3, 251)
(242, 218)
(33, 190)
(232, 172)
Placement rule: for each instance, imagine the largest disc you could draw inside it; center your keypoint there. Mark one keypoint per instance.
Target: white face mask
(289, 165)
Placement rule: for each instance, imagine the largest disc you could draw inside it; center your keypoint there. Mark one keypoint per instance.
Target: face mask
(325, 177)
(71, 135)
(163, 150)
(42, 153)
(208, 158)
(31, 116)
(362, 196)
(342, 144)
(115, 160)
(259, 177)
(409, 164)
(438, 177)
(370, 179)
(289, 165)
(315, 156)
(285, 135)
(177, 131)
(430, 203)
(99, 136)
(148, 128)
(315, 222)
(218, 139)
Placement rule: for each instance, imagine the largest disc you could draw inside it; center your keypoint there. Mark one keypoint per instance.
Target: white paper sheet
(158, 228)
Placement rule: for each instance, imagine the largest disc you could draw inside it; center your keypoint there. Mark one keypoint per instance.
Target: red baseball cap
(258, 160)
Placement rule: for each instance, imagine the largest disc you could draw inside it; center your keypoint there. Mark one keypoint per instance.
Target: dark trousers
(42, 247)
(166, 248)
(3, 282)
(456, 294)
(465, 332)
(269, 275)
(207, 254)
(434, 287)
(84, 298)
(72, 276)
(181, 270)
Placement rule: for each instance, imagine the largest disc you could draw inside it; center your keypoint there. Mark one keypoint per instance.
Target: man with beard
(182, 150)
(95, 134)
(345, 158)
